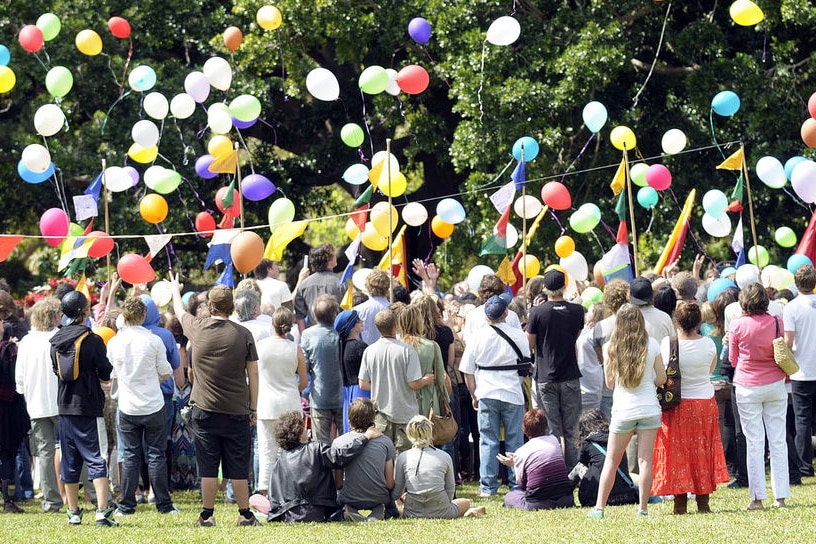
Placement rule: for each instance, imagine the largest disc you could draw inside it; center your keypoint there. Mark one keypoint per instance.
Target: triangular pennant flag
(364, 198)
(218, 253)
(519, 175)
(737, 241)
(619, 181)
(375, 173)
(354, 248)
(225, 164)
(348, 298)
(622, 236)
(518, 278)
(503, 198)
(229, 196)
(807, 245)
(678, 236)
(501, 226)
(620, 206)
(360, 216)
(615, 263)
(156, 242)
(85, 207)
(494, 245)
(396, 258)
(281, 237)
(741, 260)
(736, 194)
(734, 162)
(7, 245)
(94, 188)
(74, 247)
(82, 286)
(505, 272)
(348, 272)
(227, 278)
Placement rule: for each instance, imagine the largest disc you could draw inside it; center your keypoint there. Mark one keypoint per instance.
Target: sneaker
(9, 507)
(485, 494)
(595, 513)
(643, 513)
(201, 522)
(122, 511)
(172, 512)
(251, 521)
(104, 518)
(151, 499)
(75, 518)
(352, 514)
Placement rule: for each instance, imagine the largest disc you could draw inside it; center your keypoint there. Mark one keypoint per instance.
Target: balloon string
(127, 64)
(274, 140)
(249, 155)
(795, 198)
(61, 195)
(44, 65)
(609, 230)
(481, 82)
(580, 154)
(188, 149)
(433, 63)
(657, 54)
(110, 109)
(197, 196)
(713, 135)
(514, 8)
(283, 67)
(595, 234)
(651, 220)
(558, 221)
(365, 122)
(765, 44)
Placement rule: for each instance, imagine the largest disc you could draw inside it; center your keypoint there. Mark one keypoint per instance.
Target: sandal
(596, 513)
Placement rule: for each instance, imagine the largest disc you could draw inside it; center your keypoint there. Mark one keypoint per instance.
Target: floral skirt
(688, 453)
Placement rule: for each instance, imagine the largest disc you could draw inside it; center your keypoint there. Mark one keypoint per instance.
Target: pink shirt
(750, 345)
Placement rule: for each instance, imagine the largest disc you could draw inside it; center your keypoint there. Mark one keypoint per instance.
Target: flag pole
(240, 191)
(390, 221)
(631, 209)
(107, 219)
(750, 208)
(524, 228)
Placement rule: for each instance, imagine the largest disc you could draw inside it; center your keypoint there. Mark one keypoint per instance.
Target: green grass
(728, 523)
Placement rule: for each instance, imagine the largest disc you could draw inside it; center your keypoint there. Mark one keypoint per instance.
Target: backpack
(66, 360)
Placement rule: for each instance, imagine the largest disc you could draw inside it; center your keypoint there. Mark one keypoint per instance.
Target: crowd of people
(302, 411)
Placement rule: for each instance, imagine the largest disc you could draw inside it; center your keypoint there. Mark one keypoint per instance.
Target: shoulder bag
(669, 393)
(783, 356)
(445, 427)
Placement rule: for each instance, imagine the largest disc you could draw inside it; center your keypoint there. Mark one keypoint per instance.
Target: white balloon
(512, 235)
(414, 214)
(358, 279)
(49, 120)
(182, 106)
(145, 133)
(218, 72)
(717, 227)
(156, 106)
(36, 158)
(154, 175)
(674, 141)
(323, 85)
(161, 293)
(503, 31)
(197, 85)
(803, 181)
(117, 179)
(219, 119)
(527, 206)
(747, 273)
(576, 265)
(392, 88)
(474, 277)
(771, 172)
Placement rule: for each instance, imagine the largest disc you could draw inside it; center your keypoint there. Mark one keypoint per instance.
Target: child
(588, 363)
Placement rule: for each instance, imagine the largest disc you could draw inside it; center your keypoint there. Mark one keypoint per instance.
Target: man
(224, 372)
(321, 281)
(248, 310)
(274, 292)
(552, 330)
(800, 335)
(377, 284)
(321, 347)
(79, 360)
(489, 367)
(391, 371)
(140, 363)
(491, 285)
(658, 323)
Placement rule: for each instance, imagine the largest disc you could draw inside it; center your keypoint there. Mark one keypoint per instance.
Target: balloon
(638, 174)
(771, 172)
(202, 167)
(776, 277)
(102, 244)
(162, 180)
(564, 246)
(745, 274)
(116, 179)
(218, 73)
(134, 269)
(556, 195)
(585, 218)
(808, 132)
(803, 180)
(530, 148)
(718, 286)
(526, 207)
(595, 116)
(218, 118)
(36, 158)
(119, 27)
(205, 224)
(197, 86)
(156, 106)
(597, 274)
(392, 166)
(323, 85)
(54, 225)
(153, 208)
(145, 133)
(233, 38)
(105, 333)
(394, 187)
(414, 214)
(234, 209)
(143, 155)
(281, 211)
(88, 42)
(413, 79)
(511, 235)
(717, 227)
(269, 17)
(352, 134)
(358, 279)
(746, 13)
(758, 255)
(715, 203)
(623, 138)
(352, 230)
(7, 79)
(142, 78)
(241, 125)
(34, 177)
(503, 31)
(450, 211)
(392, 88)
(257, 187)
(785, 237)
(811, 100)
(50, 26)
(356, 174)
(658, 177)
(725, 103)
(182, 106)
(420, 30)
(219, 145)
(474, 277)
(374, 80)
(791, 163)
(49, 119)
(245, 108)
(246, 250)
(5, 55)
(31, 38)
(373, 239)
(133, 174)
(59, 81)
(647, 197)
(674, 141)
(576, 265)
(440, 228)
(380, 219)
(530, 266)
(161, 293)
(591, 295)
(796, 260)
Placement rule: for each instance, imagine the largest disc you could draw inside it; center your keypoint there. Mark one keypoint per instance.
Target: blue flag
(94, 188)
(519, 175)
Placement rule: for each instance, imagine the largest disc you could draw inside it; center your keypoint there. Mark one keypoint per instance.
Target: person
(761, 397)
(274, 292)
(685, 284)
(377, 284)
(140, 365)
(38, 384)
(13, 326)
(490, 285)
(552, 330)
(658, 324)
(413, 330)
(248, 312)
(665, 299)
(349, 326)
(588, 363)
(540, 470)
(489, 365)
(321, 281)
(615, 295)
(688, 454)
(281, 378)
(224, 372)
(424, 479)
(14, 424)
(321, 347)
(633, 368)
(800, 335)
(367, 480)
(80, 362)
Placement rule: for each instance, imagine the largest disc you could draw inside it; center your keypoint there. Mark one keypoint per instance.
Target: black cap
(554, 280)
(72, 306)
(640, 291)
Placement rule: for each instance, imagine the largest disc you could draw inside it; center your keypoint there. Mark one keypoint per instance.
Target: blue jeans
(491, 416)
(150, 431)
(561, 402)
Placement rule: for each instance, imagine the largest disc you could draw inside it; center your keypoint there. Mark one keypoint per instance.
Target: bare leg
(240, 488)
(209, 487)
(72, 496)
(616, 448)
(646, 440)
(102, 488)
(462, 504)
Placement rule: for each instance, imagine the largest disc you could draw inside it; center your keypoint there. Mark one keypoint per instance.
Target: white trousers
(267, 451)
(762, 410)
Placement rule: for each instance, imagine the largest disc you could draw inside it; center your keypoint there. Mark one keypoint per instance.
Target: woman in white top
(281, 378)
(633, 368)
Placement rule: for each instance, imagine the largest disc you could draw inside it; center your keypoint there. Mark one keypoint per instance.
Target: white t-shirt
(274, 292)
(695, 358)
(138, 357)
(641, 401)
(489, 349)
(658, 323)
(476, 319)
(591, 370)
(35, 376)
(277, 378)
(800, 318)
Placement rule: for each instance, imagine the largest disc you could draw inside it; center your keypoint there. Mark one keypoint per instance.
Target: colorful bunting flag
(616, 263)
(225, 164)
(397, 258)
(7, 245)
(734, 162)
(281, 237)
(360, 216)
(619, 181)
(519, 175)
(678, 236)
(74, 247)
(807, 245)
(505, 272)
(94, 188)
(737, 241)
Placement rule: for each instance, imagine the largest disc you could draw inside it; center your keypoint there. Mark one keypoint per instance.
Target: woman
(761, 396)
(688, 452)
(540, 470)
(349, 327)
(413, 330)
(633, 369)
(424, 478)
(281, 378)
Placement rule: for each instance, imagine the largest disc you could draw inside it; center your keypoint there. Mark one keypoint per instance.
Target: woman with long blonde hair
(633, 368)
(413, 331)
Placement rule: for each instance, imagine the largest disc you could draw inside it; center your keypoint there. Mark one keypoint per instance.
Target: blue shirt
(321, 347)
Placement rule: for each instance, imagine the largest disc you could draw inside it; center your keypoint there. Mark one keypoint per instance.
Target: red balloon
(812, 105)
(205, 224)
(555, 195)
(658, 177)
(101, 246)
(413, 79)
(119, 27)
(134, 268)
(31, 38)
(235, 208)
(246, 250)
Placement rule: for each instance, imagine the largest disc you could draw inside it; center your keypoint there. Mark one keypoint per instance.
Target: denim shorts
(629, 425)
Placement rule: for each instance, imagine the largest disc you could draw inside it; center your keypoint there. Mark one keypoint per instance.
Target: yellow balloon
(397, 186)
(564, 246)
(269, 17)
(143, 155)
(378, 216)
(623, 137)
(219, 145)
(88, 42)
(372, 239)
(351, 229)
(746, 13)
(530, 266)
(7, 79)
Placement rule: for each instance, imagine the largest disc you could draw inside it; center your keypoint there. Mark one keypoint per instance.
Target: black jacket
(83, 396)
(622, 492)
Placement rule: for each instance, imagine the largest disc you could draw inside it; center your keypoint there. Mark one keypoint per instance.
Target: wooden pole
(240, 192)
(390, 249)
(750, 209)
(524, 227)
(107, 219)
(631, 210)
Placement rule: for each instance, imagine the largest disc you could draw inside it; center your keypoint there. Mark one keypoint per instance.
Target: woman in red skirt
(688, 455)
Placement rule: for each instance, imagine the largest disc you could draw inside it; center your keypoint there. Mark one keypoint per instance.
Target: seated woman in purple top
(540, 470)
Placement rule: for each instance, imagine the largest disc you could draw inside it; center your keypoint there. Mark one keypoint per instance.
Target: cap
(219, 295)
(72, 306)
(496, 305)
(640, 291)
(344, 321)
(554, 280)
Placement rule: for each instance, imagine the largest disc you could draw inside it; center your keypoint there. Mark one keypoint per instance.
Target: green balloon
(785, 237)
(638, 174)
(49, 24)
(59, 81)
(168, 183)
(75, 230)
(352, 135)
(245, 108)
(373, 80)
(582, 221)
(590, 296)
(759, 256)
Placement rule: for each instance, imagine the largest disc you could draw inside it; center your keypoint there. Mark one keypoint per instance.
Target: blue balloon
(728, 271)
(420, 30)
(647, 197)
(595, 116)
(450, 211)
(718, 286)
(530, 148)
(725, 103)
(356, 174)
(5, 55)
(791, 163)
(35, 177)
(241, 125)
(796, 260)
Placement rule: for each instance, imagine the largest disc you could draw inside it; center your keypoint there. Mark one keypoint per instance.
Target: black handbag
(669, 393)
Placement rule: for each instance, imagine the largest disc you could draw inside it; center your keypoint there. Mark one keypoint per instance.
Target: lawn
(728, 523)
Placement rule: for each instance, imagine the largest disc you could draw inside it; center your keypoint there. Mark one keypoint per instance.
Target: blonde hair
(628, 347)
(44, 314)
(420, 431)
(134, 310)
(429, 312)
(411, 324)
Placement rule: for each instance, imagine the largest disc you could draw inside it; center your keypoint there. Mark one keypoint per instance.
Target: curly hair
(591, 422)
(615, 295)
(490, 285)
(134, 310)
(288, 430)
(43, 315)
(628, 347)
(805, 278)
(361, 413)
(753, 299)
(320, 256)
(377, 283)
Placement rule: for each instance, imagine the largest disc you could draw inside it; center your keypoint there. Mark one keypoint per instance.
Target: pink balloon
(134, 268)
(658, 177)
(54, 224)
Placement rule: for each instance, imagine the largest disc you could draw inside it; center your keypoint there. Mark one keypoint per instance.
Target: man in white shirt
(274, 292)
(491, 285)
(377, 284)
(658, 323)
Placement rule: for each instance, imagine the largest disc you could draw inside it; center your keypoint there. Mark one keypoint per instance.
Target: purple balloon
(202, 167)
(420, 30)
(240, 125)
(256, 187)
(133, 173)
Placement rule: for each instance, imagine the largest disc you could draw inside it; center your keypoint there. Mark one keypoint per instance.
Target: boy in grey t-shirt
(367, 480)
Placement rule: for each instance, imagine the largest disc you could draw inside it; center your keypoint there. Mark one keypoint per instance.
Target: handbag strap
(519, 355)
(622, 473)
(443, 402)
(674, 352)
(776, 322)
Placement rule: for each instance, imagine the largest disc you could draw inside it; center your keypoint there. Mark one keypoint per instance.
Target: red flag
(807, 245)
(501, 226)
(7, 245)
(517, 273)
(359, 216)
(623, 234)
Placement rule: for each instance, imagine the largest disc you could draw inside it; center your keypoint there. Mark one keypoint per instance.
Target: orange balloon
(596, 271)
(233, 38)
(809, 132)
(106, 333)
(246, 250)
(440, 228)
(153, 208)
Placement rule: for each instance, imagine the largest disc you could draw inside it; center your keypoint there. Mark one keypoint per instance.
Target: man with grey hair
(247, 309)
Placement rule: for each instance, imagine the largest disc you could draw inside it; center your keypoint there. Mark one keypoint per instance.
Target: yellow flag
(281, 237)
(375, 173)
(734, 162)
(619, 181)
(505, 272)
(82, 286)
(71, 249)
(397, 258)
(225, 164)
(348, 298)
